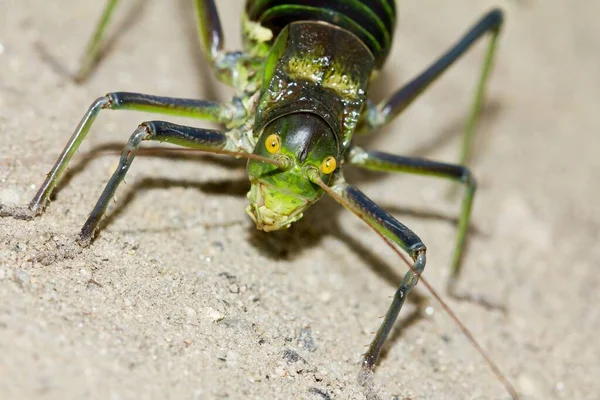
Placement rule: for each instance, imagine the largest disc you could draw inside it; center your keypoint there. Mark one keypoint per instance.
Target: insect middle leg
(208, 110)
(378, 161)
(202, 139)
(383, 113)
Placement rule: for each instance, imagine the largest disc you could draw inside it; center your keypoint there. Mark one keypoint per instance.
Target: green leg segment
(92, 51)
(378, 161)
(380, 115)
(208, 110)
(197, 138)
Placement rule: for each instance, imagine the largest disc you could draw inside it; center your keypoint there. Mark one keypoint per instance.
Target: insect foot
(64, 249)
(365, 379)
(84, 239)
(17, 212)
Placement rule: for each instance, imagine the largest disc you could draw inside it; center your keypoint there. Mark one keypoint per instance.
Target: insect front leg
(208, 110)
(197, 138)
(383, 113)
(378, 161)
(392, 229)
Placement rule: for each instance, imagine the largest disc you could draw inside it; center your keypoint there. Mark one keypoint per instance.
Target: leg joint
(496, 18)
(468, 178)
(144, 131)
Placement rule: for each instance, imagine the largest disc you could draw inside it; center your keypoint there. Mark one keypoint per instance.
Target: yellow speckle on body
(341, 83)
(305, 69)
(329, 76)
(256, 32)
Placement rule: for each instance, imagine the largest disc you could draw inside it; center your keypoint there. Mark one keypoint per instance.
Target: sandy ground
(180, 297)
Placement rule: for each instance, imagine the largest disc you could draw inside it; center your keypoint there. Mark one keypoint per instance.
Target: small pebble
(291, 356)
(22, 278)
(319, 393)
(325, 297)
(305, 340)
(85, 273)
(215, 315)
(528, 386)
(190, 312)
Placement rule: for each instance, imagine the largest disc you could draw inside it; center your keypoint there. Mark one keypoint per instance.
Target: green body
(314, 86)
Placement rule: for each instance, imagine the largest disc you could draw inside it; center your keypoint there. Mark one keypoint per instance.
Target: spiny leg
(208, 110)
(382, 114)
(378, 219)
(393, 232)
(378, 161)
(202, 139)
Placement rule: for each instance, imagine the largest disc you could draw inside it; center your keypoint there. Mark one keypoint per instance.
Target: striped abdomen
(372, 21)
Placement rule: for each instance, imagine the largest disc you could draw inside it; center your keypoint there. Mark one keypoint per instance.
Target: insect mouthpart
(272, 208)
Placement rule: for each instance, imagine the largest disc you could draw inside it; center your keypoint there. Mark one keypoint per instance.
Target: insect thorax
(314, 83)
(318, 68)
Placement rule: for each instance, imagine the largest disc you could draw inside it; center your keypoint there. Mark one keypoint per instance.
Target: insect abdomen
(372, 21)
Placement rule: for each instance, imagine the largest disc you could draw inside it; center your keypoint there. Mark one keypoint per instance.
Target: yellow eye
(328, 165)
(273, 143)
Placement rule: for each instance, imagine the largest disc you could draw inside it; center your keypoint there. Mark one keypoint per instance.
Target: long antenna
(470, 337)
(281, 163)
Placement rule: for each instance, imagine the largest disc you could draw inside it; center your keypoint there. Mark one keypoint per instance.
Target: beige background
(181, 298)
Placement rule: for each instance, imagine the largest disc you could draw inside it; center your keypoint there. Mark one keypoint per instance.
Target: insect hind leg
(385, 162)
(230, 67)
(380, 115)
(225, 64)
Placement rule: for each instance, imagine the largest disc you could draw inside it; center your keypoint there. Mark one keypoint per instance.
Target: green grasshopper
(301, 94)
